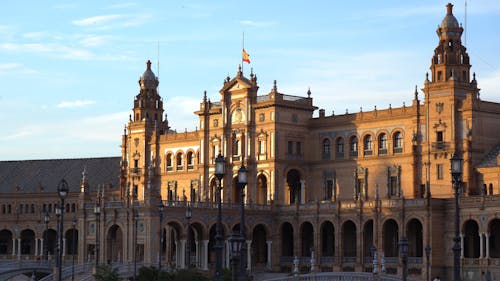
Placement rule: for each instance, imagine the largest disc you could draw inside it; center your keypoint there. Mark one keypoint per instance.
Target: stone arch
(27, 242)
(368, 238)
(262, 187)
(471, 239)
(50, 238)
(212, 233)
(390, 238)
(415, 237)
(327, 239)
(349, 244)
(306, 239)
(494, 238)
(287, 243)
(5, 242)
(71, 237)
(259, 245)
(236, 191)
(294, 186)
(174, 232)
(212, 193)
(114, 244)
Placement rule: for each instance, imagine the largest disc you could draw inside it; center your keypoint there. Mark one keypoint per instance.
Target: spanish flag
(245, 56)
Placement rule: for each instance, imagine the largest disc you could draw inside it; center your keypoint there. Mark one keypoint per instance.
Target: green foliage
(106, 273)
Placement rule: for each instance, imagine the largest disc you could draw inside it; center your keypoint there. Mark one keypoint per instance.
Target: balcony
(135, 172)
(440, 146)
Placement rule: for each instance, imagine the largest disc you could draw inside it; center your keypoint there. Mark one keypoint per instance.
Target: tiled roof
(40, 176)
(491, 158)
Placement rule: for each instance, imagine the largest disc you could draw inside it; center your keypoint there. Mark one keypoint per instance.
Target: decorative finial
(375, 108)
(360, 109)
(390, 106)
(275, 87)
(346, 111)
(148, 63)
(239, 70)
(427, 77)
(309, 92)
(251, 72)
(449, 9)
(474, 77)
(416, 93)
(205, 96)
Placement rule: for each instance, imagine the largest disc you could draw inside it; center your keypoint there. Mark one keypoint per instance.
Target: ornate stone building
(339, 188)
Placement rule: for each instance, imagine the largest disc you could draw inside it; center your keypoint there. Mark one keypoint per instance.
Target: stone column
(64, 249)
(13, 246)
(461, 245)
(269, 251)
(204, 258)
(227, 260)
(487, 236)
(249, 257)
(36, 246)
(182, 255)
(18, 248)
(481, 246)
(42, 246)
(197, 262)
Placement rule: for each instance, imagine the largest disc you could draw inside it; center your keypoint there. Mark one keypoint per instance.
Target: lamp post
(58, 244)
(136, 216)
(97, 213)
(403, 247)
(160, 248)
(242, 182)
(235, 248)
(46, 219)
(456, 176)
(220, 165)
(188, 236)
(428, 257)
(73, 250)
(62, 190)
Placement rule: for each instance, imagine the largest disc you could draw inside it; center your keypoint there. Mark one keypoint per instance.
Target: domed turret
(449, 28)
(148, 79)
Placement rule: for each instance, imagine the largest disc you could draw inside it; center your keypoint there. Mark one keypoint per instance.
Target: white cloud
(94, 40)
(10, 68)
(489, 86)
(96, 20)
(122, 5)
(256, 23)
(49, 48)
(17, 135)
(113, 20)
(180, 112)
(77, 103)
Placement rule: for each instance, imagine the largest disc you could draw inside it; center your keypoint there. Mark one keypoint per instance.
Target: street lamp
(73, 250)
(97, 213)
(220, 165)
(456, 179)
(46, 219)
(403, 247)
(62, 190)
(160, 209)
(235, 248)
(58, 244)
(188, 236)
(428, 257)
(242, 182)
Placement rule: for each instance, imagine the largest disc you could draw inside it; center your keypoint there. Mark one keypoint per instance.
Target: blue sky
(69, 69)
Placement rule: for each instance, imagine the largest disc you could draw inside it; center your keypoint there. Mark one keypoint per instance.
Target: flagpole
(243, 48)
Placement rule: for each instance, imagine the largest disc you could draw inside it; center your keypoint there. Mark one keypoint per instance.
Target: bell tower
(140, 142)
(450, 96)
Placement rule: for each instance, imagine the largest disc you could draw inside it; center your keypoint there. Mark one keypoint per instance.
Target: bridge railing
(341, 276)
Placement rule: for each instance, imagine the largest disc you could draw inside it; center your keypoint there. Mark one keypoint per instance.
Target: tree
(106, 273)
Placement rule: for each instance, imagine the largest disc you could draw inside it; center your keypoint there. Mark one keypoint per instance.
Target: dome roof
(449, 20)
(148, 79)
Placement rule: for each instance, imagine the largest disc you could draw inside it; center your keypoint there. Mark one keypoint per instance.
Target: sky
(69, 69)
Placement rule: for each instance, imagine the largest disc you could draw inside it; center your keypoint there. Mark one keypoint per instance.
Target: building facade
(332, 190)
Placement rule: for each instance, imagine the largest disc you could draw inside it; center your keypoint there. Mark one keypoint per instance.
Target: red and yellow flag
(245, 56)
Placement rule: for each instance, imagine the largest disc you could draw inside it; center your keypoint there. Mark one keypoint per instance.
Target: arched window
(178, 160)
(339, 149)
(326, 149)
(169, 162)
(382, 144)
(367, 145)
(398, 142)
(190, 160)
(353, 146)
